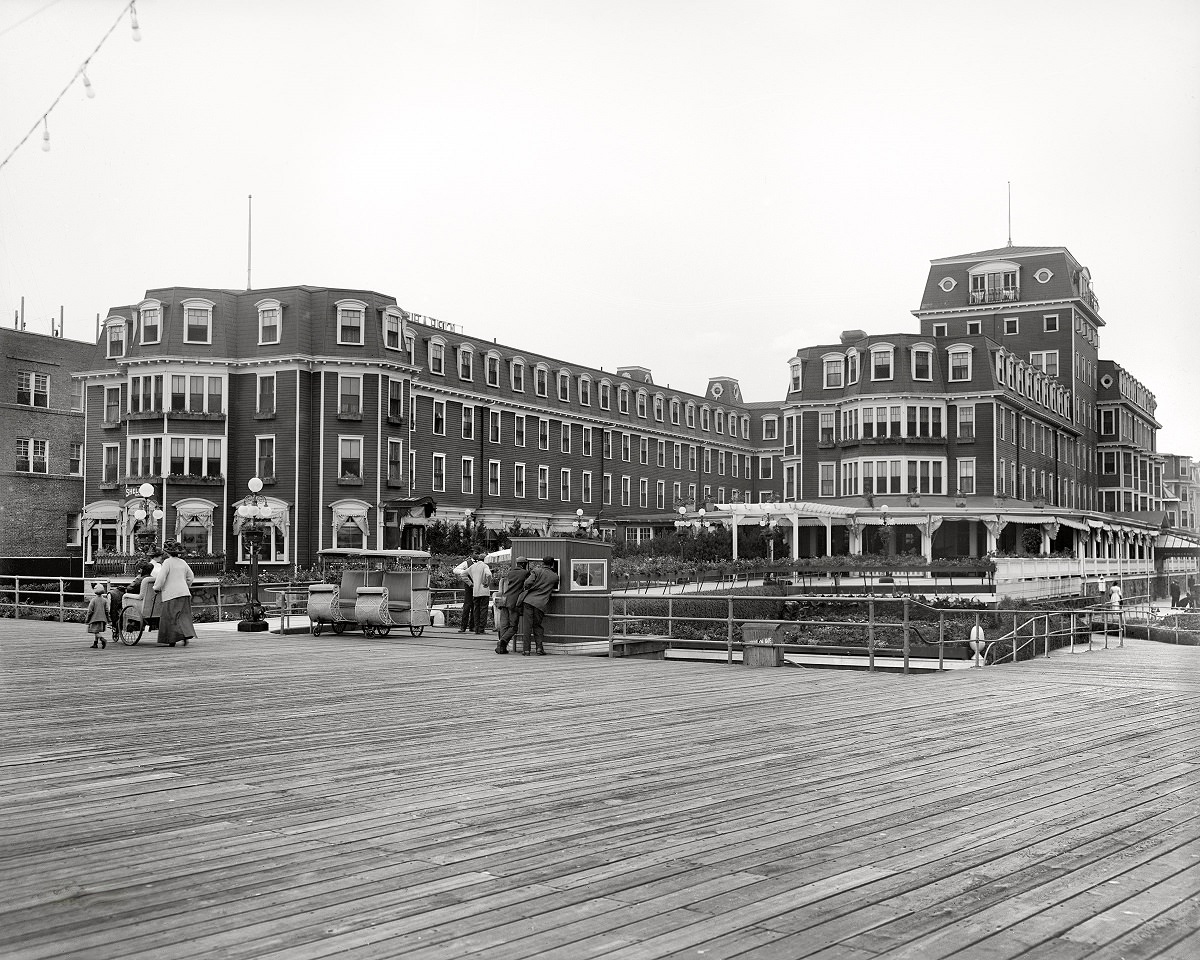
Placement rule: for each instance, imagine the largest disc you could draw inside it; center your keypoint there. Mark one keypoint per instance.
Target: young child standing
(97, 616)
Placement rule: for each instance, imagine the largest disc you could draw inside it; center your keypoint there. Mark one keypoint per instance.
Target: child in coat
(97, 616)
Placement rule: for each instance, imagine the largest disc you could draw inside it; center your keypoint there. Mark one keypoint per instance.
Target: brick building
(356, 415)
(41, 430)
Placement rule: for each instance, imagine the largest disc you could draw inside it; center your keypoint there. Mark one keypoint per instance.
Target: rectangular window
(564, 387)
(660, 495)
(519, 481)
(350, 458)
(922, 365)
(692, 457)
(395, 469)
(393, 331)
(881, 364)
(543, 483)
(493, 371)
(960, 365)
(764, 468)
(517, 376)
(33, 389)
(606, 489)
(493, 478)
(770, 428)
(518, 430)
(540, 381)
(196, 321)
(266, 395)
(974, 328)
(1011, 326)
(644, 493)
(151, 328)
(624, 491)
(677, 456)
(466, 364)
(939, 329)
(468, 475)
(585, 392)
(493, 426)
(828, 479)
(966, 422)
(966, 477)
(826, 427)
(439, 472)
(564, 485)
(395, 398)
(644, 451)
(833, 373)
(587, 441)
(605, 396)
(543, 434)
(196, 394)
(707, 460)
(112, 462)
(585, 484)
(264, 457)
(350, 326)
(662, 453)
(349, 396)
(115, 341)
(468, 422)
(439, 418)
(564, 438)
(1046, 361)
(437, 358)
(76, 466)
(112, 404)
(1050, 323)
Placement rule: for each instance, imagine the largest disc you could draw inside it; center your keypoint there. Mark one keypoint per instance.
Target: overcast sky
(699, 188)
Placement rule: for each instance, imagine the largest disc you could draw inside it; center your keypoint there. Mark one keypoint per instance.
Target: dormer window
(437, 356)
(564, 386)
(704, 418)
(541, 380)
(660, 407)
(690, 415)
(393, 330)
(995, 282)
(493, 369)
(833, 367)
(719, 421)
(516, 375)
(745, 428)
(585, 390)
(269, 326)
(150, 313)
(881, 362)
(733, 425)
(674, 411)
(114, 337)
(466, 362)
(959, 362)
(197, 321)
(794, 369)
(350, 315)
(623, 399)
(641, 404)
(605, 395)
(852, 366)
(922, 362)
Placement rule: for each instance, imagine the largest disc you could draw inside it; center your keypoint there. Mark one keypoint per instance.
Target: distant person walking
(541, 583)
(508, 607)
(1174, 591)
(97, 616)
(174, 585)
(467, 618)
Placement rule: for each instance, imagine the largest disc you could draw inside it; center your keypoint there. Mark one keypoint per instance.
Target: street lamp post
(254, 512)
(581, 525)
(145, 533)
(467, 528)
(768, 525)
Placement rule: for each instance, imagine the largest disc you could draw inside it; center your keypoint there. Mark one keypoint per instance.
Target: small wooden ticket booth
(577, 619)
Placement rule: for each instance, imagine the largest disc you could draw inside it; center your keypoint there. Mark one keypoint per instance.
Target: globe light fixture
(255, 513)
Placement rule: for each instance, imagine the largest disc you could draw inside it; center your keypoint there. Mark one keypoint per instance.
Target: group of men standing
(521, 600)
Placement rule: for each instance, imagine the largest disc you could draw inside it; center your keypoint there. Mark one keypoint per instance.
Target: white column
(734, 520)
(828, 536)
(795, 518)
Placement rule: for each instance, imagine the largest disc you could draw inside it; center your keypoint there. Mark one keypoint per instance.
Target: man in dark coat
(1174, 593)
(508, 609)
(540, 584)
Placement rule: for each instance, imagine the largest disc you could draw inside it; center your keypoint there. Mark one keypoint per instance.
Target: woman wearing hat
(174, 585)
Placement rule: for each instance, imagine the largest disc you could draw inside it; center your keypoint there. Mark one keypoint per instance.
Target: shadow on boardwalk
(347, 797)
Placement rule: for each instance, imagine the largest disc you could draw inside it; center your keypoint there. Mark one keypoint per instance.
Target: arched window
(795, 381)
(492, 368)
(393, 329)
(922, 361)
(351, 527)
(150, 321)
(276, 544)
(516, 375)
(564, 386)
(437, 356)
(197, 320)
(466, 362)
(541, 380)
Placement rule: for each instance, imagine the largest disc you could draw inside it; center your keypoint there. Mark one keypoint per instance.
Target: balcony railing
(126, 565)
(1001, 295)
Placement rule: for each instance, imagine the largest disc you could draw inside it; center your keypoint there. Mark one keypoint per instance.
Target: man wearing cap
(508, 610)
(540, 584)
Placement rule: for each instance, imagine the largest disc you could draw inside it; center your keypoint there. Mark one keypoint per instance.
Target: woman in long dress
(174, 585)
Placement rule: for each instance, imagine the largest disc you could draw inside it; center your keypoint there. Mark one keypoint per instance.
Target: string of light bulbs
(81, 75)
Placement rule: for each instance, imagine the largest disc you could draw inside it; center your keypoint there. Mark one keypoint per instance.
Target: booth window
(589, 575)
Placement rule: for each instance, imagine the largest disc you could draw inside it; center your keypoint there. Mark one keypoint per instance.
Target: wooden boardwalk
(300, 797)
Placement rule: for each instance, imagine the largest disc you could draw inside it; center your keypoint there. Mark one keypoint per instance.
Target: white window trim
(926, 348)
(795, 376)
(833, 358)
(890, 350)
(462, 478)
(433, 425)
(341, 377)
(341, 305)
(853, 364)
(960, 348)
(198, 303)
(585, 395)
(561, 379)
(440, 353)
(1004, 322)
(258, 439)
(270, 304)
(974, 328)
(1046, 318)
(516, 363)
(604, 394)
(487, 363)
(773, 432)
(519, 472)
(958, 475)
(941, 329)
(141, 309)
(362, 464)
(541, 368)
(433, 475)
(466, 352)
(391, 313)
(109, 325)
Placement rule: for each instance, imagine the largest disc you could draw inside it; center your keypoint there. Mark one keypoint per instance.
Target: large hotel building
(993, 415)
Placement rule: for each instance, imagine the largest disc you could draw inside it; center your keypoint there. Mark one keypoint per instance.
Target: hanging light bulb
(45, 136)
(87, 84)
(137, 34)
